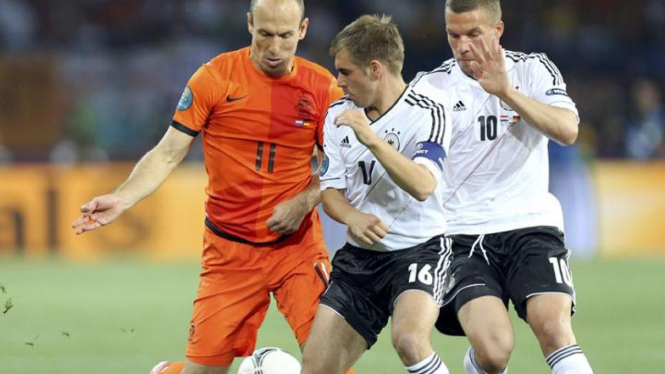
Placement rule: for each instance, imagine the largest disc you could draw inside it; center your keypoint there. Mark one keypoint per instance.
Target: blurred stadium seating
(96, 82)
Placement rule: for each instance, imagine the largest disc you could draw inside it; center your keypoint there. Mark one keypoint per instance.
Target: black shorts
(365, 284)
(514, 265)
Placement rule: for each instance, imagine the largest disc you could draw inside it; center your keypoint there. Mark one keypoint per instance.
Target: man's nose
(274, 45)
(340, 81)
(463, 45)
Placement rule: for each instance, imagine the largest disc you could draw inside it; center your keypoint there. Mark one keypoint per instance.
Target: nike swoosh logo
(230, 99)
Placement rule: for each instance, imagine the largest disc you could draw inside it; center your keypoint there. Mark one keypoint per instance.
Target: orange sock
(171, 368)
(176, 368)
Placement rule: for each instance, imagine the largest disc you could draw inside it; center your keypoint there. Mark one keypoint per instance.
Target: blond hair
(492, 7)
(371, 37)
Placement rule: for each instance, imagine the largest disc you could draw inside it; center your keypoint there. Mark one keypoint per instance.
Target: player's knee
(493, 361)
(553, 333)
(410, 346)
(494, 352)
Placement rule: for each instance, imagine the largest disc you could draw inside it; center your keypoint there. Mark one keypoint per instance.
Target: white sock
(430, 365)
(569, 360)
(472, 366)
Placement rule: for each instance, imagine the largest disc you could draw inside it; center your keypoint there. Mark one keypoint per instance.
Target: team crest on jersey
(305, 108)
(186, 99)
(324, 165)
(392, 138)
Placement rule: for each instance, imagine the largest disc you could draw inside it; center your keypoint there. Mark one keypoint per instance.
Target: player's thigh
(413, 319)
(300, 277)
(540, 266)
(550, 319)
(487, 325)
(544, 307)
(333, 345)
(230, 304)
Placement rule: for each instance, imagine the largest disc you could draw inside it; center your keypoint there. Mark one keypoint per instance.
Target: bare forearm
(558, 124)
(413, 178)
(336, 206)
(153, 169)
(311, 196)
(148, 174)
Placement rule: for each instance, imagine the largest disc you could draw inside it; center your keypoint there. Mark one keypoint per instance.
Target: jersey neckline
(399, 99)
(265, 77)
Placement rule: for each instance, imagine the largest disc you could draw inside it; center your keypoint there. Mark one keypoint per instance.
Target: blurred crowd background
(96, 80)
(88, 81)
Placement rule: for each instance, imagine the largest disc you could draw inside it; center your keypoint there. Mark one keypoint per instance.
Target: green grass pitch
(123, 316)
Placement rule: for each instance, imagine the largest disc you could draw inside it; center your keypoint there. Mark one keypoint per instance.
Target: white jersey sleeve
(332, 169)
(433, 140)
(547, 85)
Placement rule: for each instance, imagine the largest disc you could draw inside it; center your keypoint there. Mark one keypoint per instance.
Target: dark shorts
(365, 284)
(515, 265)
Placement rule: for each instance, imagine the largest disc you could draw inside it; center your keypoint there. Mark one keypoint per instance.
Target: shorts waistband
(217, 231)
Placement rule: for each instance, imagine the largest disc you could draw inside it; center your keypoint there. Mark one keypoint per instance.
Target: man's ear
(376, 69)
(250, 24)
(499, 28)
(303, 28)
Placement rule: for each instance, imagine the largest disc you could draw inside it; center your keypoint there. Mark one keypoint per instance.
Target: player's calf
(491, 354)
(472, 365)
(412, 347)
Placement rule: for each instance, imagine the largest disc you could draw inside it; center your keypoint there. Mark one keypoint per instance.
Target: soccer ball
(269, 361)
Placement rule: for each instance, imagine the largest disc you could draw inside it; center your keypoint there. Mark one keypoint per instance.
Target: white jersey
(418, 126)
(497, 172)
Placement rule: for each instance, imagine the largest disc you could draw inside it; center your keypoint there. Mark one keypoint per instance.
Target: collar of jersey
(265, 77)
(399, 99)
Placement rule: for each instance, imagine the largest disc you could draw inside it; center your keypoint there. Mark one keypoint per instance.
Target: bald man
(260, 110)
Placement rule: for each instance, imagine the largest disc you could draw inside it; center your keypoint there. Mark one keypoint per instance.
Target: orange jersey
(258, 136)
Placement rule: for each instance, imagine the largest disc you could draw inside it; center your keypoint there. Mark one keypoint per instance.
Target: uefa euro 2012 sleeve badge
(186, 99)
(324, 165)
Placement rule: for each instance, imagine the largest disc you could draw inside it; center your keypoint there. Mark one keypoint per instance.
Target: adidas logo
(345, 142)
(459, 107)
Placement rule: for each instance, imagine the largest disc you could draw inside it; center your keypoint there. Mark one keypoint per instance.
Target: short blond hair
(371, 37)
(492, 7)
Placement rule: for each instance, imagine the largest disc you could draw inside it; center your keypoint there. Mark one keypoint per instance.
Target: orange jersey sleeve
(258, 136)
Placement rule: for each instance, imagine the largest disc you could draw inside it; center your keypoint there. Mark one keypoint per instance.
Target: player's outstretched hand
(368, 228)
(489, 67)
(98, 212)
(287, 216)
